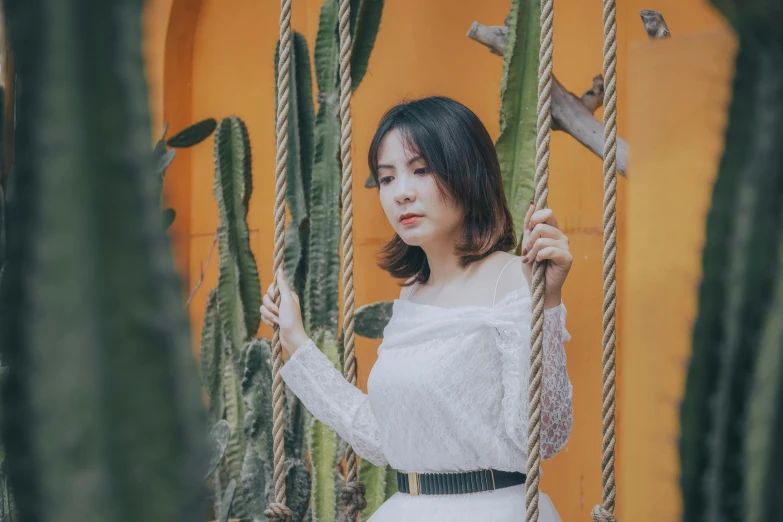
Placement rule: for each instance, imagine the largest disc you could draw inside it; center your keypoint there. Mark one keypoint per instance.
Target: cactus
(371, 319)
(299, 166)
(2, 230)
(516, 145)
(735, 344)
(239, 290)
(236, 367)
(219, 438)
(765, 417)
(374, 478)
(322, 290)
(102, 415)
(312, 256)
(231, 316)
(323, 446)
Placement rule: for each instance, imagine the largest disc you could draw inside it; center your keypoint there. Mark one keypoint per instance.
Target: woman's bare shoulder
(506, 274)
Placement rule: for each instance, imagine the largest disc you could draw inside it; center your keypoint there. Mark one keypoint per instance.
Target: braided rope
(604, 512)
(544, 125)
(278, 511)
(353, 492)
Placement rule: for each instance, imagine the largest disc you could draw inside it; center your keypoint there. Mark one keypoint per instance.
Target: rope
(544, 124)
(600, 514)
(353, 492)
(278, 511)
(604, 512)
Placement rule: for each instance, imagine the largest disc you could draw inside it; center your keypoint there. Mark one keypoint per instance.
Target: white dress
(447, 393)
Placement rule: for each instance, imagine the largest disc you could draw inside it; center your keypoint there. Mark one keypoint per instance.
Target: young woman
(447, 398)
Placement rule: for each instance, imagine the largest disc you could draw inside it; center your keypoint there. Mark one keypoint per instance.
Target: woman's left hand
(542, 240)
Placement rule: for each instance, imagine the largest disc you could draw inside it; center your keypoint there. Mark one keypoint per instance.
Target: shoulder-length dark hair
(461, 155)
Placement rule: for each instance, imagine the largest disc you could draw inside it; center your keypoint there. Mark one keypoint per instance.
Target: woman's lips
(411, 220)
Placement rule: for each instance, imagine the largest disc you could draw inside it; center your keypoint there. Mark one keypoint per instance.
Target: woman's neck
(444, 267)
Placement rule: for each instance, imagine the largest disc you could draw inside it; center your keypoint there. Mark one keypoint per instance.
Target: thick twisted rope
(604, 512)
(353, 492)
(544, 125)
(278, 511)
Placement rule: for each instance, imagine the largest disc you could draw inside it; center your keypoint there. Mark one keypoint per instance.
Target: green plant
(236, 368)
(102, 413)
(732, 408)
(312, 255)
(188, 137)
(516, 145)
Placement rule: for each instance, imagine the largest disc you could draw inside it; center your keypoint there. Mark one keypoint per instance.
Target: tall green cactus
(2, 230)
(301, 122)
(313, 235)
(323, 446)
(231, 316)
(257, 469)
(762, 449)
(735, 345)
(516, 145)
(322, 293)
(236, 370)
(102, 414)
(239, 290)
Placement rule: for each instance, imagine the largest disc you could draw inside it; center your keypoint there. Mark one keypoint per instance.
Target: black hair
(460, 153)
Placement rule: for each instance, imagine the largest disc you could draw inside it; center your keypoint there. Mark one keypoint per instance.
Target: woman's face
(410, 197)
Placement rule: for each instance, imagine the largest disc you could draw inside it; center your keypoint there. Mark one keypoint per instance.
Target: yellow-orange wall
(680, 90)
(213, 58)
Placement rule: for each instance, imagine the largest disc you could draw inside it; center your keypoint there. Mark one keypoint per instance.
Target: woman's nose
(404, 189)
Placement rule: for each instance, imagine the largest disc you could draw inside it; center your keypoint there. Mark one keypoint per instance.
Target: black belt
(458, 482)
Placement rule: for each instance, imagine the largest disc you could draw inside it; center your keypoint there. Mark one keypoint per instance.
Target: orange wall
(680, 92)
(217, 61)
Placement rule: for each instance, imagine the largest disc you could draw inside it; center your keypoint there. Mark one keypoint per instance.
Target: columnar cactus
(102, 413)
(313, 235)
(732, 408)
(236, 368)
(516, 145)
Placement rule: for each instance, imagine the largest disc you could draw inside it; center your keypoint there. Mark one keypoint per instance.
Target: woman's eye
(421, 170)
(384, 180)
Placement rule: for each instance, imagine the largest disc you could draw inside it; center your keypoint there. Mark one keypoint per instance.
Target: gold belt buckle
(413, 483)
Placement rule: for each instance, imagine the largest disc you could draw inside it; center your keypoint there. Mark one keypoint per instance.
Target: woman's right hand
(288, 317)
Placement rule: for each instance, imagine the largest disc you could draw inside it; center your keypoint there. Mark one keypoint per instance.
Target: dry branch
(203, 271)
(654, 24)
(570, 113)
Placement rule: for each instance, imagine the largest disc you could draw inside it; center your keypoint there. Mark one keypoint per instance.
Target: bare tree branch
(203, 270)
(570, 113)
(654, 24)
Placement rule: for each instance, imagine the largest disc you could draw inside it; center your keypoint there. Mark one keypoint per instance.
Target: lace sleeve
(556, 393)
(556, 409)
(333, 400)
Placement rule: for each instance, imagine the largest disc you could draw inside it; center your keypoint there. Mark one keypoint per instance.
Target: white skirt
(500, 505)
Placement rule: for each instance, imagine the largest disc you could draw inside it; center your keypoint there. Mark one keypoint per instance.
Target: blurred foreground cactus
(732, 412)
(102, 414)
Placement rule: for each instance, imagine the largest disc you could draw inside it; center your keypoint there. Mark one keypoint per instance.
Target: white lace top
(449, 390)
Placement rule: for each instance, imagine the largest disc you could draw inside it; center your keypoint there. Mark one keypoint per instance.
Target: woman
(447, 398)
